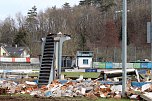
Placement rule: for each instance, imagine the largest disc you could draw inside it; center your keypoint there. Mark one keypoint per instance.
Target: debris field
(92, 89)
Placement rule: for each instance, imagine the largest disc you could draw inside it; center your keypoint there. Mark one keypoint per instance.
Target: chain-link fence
(114, 54)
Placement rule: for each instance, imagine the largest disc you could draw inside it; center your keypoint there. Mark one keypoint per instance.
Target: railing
(12, 66)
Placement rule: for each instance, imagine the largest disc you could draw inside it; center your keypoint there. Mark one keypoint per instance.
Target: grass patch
(112, 99)
(74, 74)
(85, 74)
(26, 97)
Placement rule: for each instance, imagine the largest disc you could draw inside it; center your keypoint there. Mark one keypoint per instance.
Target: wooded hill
(94, 25)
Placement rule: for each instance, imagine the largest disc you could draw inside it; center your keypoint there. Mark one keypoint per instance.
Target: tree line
(92, 24)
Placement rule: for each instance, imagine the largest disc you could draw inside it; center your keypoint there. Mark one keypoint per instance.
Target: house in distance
(20, 52)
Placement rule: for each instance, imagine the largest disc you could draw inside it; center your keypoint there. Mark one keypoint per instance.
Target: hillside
(93, 26)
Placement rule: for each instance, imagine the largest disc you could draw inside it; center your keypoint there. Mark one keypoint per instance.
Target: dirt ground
(29, 98)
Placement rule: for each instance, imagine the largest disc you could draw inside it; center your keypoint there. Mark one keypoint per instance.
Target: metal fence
(12, 66)
(113, 54)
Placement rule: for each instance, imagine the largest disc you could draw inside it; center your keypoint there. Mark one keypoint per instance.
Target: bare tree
(8, 29)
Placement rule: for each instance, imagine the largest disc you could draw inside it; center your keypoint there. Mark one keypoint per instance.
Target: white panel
(18, 71)
(80, 70)
(2, 59)
(129, 65)
(20, 59)
(95, 64)
(116, 65)
(119, 65)
(35, 61)
(69, 70)
(99, 70)
(6, 59)
(74, 70)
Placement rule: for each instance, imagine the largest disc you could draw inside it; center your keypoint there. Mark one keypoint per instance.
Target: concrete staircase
(47, 61)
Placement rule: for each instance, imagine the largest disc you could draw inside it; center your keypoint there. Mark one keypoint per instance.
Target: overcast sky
(11, 7)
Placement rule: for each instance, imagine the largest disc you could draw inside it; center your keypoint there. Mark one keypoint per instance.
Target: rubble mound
(91, 89)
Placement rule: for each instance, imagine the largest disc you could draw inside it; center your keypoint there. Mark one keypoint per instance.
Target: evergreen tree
(103, 5)
(66, 6)
(20, 38)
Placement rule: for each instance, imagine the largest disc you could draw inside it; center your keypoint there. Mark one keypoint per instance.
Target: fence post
(114, 54)
(135, 53)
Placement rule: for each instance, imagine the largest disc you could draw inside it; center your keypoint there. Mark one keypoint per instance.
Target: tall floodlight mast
(124, 47)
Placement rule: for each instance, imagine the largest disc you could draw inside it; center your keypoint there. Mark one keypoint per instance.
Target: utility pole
(124, 47)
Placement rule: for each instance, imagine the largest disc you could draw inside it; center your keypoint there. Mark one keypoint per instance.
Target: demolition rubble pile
(89, 88)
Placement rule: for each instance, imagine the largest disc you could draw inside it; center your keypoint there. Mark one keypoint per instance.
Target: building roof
(15, 50)
(4, 49)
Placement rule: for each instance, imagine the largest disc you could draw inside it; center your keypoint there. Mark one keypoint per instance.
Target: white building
(84, 59)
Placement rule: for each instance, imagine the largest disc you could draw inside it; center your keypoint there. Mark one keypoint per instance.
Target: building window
(85, 61)
(4, 54)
